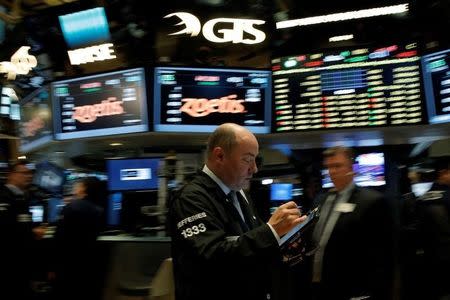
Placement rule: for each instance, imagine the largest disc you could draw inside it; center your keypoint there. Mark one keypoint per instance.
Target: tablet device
(300, 227)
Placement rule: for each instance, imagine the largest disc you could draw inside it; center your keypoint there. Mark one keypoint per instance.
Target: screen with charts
(368, 168)
(132, 174)
(98, 105)
(198, 100)
(35, 125)
(436, 80)
(348, 88)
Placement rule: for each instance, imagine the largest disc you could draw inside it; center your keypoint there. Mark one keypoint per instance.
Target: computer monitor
(113, 210)
(348, 88)
(436, 81)
(49, 177)
(87, 27)
(100, 105)
(368, 168)
(133, 174)
(281, 191)
(54, 207)
(200, 99)
(35, 125)
(37, 213)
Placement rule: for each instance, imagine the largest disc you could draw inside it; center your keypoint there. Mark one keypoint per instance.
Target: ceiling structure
(140, 36)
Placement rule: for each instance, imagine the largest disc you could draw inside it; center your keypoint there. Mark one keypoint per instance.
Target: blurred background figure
(82, 219)
(353, 236)
(15, 232)
(434, 229)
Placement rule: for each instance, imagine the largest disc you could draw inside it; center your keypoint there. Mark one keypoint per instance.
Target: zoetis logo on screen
(89, 113)
(200, 107)
(235, 34)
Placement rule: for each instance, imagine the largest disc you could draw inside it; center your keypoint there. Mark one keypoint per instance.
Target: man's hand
(286, 217)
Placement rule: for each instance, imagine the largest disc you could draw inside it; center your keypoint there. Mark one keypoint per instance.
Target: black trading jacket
(213, 257)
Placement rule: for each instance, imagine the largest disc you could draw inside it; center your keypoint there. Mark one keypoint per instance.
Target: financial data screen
(98, 105)
(348, 88)
(198, 100)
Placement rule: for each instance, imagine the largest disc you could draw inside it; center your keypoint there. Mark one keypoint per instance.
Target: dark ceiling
(140, 33)
(140, 38)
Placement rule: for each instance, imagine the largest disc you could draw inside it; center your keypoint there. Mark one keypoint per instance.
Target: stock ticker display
(97, 105)
(351, 88)
(198, 100)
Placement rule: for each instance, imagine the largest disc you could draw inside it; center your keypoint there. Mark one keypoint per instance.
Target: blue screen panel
(133, 174)
(54, 207)
(86, 27)
(281, 192)
(114, 209)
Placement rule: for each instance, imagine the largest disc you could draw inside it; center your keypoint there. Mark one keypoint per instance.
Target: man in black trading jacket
(352, 236)
(15, 233)
(434, 225)
(220, 248)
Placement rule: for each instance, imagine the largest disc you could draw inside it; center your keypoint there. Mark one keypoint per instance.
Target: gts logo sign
(235, 34)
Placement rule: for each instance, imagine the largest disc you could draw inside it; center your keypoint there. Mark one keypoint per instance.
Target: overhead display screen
(97, 105)
(350, 88)
(198, 100)
(133, 174)
(368, 168)
(35, 126)
(436, 80)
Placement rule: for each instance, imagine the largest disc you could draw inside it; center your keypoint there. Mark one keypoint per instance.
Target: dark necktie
(241, 209)
(325, 213)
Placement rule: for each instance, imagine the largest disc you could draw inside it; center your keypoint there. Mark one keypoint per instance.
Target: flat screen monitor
(100, 105)
(281, 191)
(368, 168)
(35, 126)
(54, 207)
(200, 99)
(49, 177)
(132, 174)
(436, 81)
(37, 213)
(114, 209)
(85, 27)
(348, 88)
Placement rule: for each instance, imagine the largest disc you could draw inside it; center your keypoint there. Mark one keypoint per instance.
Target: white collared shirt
(226, 190)
(16, 191)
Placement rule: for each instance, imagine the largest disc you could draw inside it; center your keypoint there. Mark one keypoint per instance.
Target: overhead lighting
(21, 157)
(339, 38)
(351, 15)
(116, 144)
(267, 181)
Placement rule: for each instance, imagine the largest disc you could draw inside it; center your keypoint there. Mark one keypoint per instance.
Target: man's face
(340, 169)
(22, 176)
(239, 165)
(445, 177)
(79, 191)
